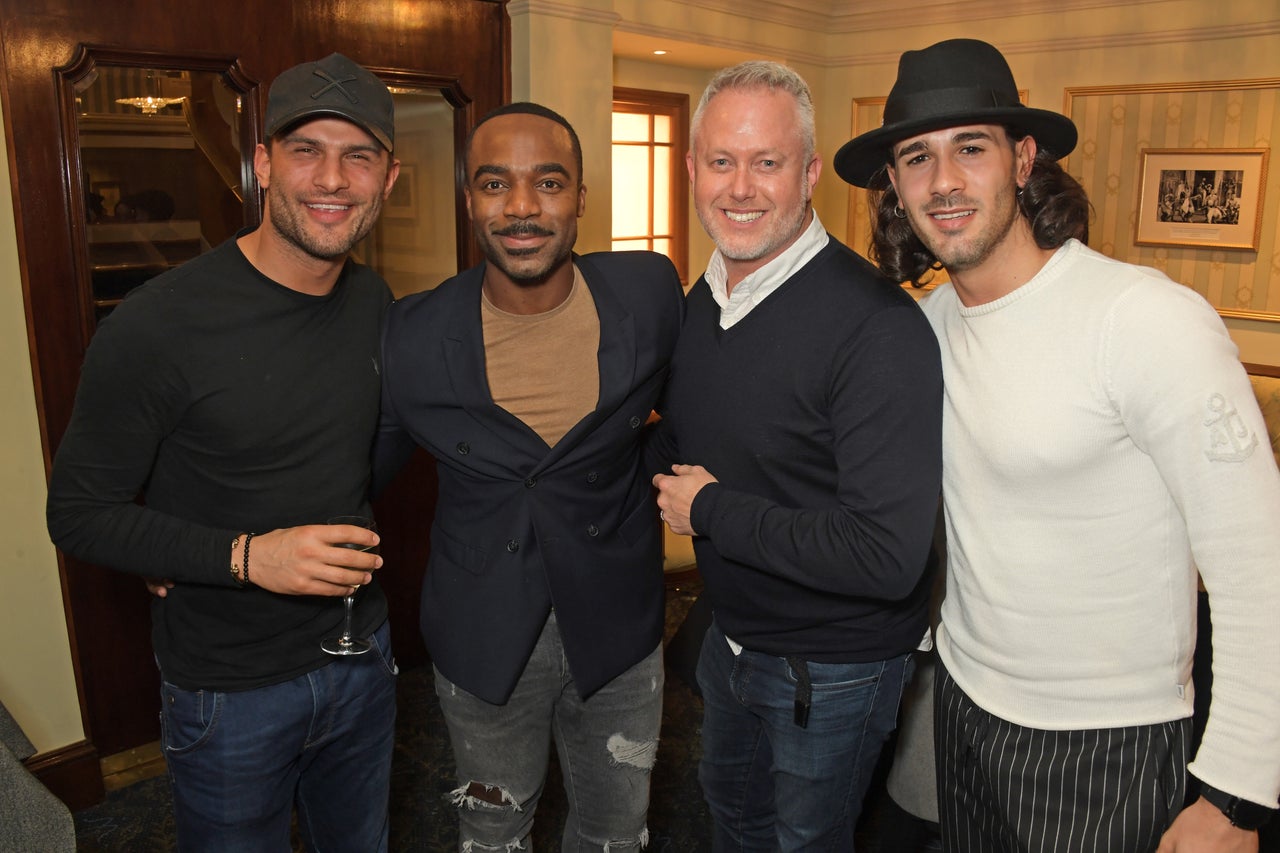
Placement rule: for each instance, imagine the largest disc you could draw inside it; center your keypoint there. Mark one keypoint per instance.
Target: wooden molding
(1262, 369)
(73, 773)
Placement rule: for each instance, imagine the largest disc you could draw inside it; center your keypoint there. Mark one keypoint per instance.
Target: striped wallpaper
(1117, 122)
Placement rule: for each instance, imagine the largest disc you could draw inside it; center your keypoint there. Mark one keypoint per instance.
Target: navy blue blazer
(520, 527)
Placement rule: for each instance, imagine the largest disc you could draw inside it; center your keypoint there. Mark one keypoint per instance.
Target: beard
(530, 265)
(965, 252)
(323, 243)
(785, 226)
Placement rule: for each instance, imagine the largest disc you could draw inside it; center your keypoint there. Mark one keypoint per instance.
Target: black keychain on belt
(804, 689)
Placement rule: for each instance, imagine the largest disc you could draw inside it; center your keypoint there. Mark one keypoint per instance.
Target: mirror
(162, 165)
(414, 245)
(160, 171)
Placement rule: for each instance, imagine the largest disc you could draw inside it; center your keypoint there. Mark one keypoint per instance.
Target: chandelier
(149, 104)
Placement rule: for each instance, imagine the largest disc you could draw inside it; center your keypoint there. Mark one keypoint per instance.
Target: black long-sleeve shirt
(233, 404)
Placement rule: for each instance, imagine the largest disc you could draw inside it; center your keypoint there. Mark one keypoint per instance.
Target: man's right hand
(159, 587)
(312, 560)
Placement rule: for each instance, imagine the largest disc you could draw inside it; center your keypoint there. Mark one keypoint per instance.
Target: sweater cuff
(703, 508)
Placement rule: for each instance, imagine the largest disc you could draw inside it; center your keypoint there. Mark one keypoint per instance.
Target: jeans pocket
(188, 718)
(381, 640)
(841, 676)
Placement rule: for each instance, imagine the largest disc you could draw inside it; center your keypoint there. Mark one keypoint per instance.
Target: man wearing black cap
(1098, 431)
(239, 394)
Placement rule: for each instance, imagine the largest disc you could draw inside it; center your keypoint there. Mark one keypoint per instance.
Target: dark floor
(138, 817)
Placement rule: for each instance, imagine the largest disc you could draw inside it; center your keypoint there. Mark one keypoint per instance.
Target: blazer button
(592, 477)
(513, 546)
(530, 483)
(592, 530)
(464, 448)
(635, 422)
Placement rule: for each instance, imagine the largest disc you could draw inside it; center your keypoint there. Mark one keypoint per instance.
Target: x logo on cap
(334, 83)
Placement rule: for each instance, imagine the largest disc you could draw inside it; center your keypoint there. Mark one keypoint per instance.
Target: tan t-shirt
(543, 368)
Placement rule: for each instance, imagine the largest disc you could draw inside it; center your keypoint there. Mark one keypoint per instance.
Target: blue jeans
(239, 761)
(772, 784)
(606, 744)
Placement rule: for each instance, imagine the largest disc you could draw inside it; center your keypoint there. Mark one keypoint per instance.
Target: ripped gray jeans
(606, 746)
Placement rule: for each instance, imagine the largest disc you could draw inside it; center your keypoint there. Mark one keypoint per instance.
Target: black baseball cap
(333, 86)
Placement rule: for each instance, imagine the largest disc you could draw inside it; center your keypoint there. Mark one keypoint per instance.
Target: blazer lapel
(465, 364)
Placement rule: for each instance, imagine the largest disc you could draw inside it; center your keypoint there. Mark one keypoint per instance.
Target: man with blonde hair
(807, 389)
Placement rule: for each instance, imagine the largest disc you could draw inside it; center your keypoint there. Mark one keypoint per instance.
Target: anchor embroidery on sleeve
(1230, 439)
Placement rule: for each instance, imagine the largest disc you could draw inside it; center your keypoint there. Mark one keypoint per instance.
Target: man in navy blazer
(530, 378)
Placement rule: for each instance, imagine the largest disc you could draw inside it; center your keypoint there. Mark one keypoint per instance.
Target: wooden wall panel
(460, 45)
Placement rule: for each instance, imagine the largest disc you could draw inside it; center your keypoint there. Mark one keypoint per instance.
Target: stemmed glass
(345, 644)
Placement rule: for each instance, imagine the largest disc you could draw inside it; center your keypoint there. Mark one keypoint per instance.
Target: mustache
(948, 203)
(524, 229)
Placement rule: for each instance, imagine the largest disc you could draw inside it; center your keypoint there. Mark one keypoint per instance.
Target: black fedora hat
(954, 82)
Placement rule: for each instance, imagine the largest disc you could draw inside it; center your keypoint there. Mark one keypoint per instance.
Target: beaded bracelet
(244, 577)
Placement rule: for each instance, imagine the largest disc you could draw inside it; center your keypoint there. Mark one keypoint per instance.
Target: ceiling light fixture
(149, 104)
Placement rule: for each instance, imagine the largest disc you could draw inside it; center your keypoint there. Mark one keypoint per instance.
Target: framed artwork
(1201, 197)
(108, 195)
(403, 201)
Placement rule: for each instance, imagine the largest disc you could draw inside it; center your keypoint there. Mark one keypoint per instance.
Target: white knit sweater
(1101, 441)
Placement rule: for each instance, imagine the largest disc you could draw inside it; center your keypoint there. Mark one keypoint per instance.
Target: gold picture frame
(1209, 198)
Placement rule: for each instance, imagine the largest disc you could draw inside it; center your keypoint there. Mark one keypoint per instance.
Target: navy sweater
(820, 413)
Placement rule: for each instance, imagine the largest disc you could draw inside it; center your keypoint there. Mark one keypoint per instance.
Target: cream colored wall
(561, 57)
(37, 683)
(1048, 53)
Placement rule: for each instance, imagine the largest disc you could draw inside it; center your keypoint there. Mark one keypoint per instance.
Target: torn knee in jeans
(630, 844)
(479, 794)
(640, 754)
(472, 846)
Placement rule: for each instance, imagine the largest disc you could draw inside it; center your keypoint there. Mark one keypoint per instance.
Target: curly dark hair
(1053, 202)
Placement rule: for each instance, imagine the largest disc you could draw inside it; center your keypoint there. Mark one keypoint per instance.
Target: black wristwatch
(1241, 813)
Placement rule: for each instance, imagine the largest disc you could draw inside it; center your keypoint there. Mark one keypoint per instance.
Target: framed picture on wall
(1201, 197)
(403, 201)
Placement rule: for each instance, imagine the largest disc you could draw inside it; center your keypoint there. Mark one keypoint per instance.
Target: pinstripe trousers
(1005, 787)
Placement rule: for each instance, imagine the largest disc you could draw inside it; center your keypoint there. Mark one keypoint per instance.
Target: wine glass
(345, 644)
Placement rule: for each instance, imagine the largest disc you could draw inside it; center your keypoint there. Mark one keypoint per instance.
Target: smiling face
(959, 188)
(326, 180)
(752, 177)
(524, 197)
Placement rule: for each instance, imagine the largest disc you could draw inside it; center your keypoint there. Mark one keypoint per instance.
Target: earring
(898, 212)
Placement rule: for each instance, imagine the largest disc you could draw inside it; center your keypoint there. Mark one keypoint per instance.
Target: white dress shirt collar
(753, 289)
